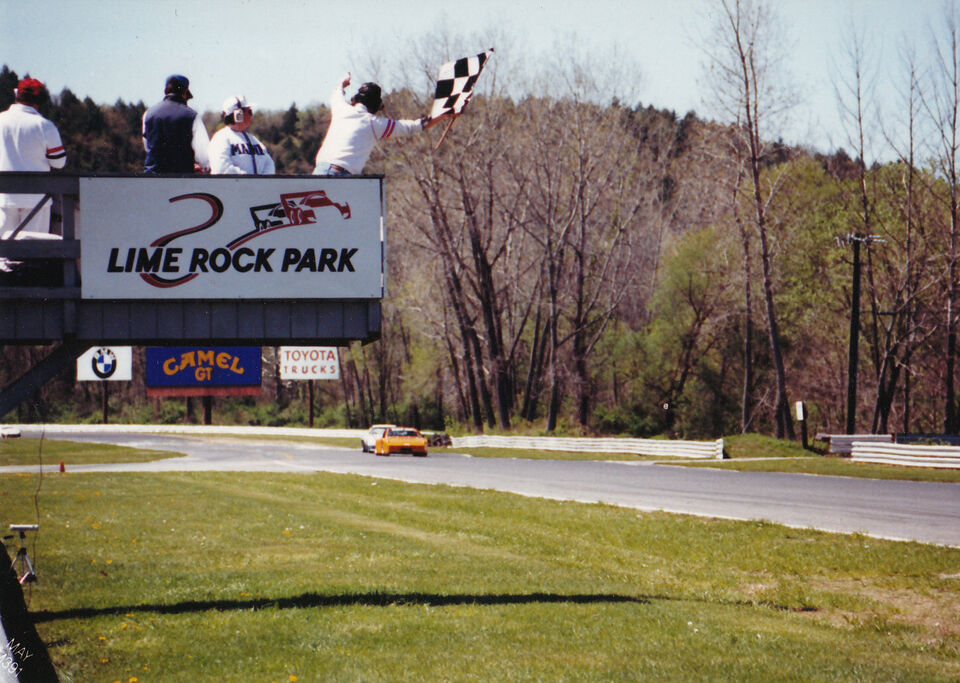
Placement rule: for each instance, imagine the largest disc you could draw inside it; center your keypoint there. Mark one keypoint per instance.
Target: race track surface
(922, 511)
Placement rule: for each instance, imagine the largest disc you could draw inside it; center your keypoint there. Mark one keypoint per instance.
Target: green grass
(264, 577)
(760, 446)
(26, 451)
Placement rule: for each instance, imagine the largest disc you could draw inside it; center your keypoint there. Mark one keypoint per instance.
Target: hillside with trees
(567, 261)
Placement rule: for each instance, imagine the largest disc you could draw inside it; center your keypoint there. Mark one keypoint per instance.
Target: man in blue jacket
(173, 134)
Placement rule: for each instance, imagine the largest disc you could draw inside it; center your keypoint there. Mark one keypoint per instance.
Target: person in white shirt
(234, 150)
(28, 142)
(355, 130)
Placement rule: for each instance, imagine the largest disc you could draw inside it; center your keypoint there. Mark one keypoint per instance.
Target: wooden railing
(63, 251)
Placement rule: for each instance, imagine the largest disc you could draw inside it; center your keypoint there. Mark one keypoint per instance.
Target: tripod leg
(23, 567)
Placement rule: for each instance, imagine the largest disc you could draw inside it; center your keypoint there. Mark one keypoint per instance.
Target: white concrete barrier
(656, 447)
(842, 444)
(909, 455)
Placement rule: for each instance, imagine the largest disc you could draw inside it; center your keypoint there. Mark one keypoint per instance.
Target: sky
(277, 52)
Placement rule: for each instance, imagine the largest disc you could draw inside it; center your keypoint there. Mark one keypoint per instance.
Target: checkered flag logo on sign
(455, 83)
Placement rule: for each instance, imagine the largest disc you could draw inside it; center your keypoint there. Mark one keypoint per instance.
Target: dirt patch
(751, 591)
(934, 611)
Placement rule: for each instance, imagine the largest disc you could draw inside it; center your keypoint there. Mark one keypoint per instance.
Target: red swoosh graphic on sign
(151, 279)
(216, 212)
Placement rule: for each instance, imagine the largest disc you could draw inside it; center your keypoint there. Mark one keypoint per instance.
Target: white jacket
(354, 132)
(28, 142)
(239, 153)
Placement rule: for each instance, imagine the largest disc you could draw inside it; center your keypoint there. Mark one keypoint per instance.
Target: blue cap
(178, 85)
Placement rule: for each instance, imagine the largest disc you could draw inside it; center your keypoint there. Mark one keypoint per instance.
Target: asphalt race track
(923, 511)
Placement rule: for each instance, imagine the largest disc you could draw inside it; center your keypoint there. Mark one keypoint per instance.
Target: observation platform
(196, 259)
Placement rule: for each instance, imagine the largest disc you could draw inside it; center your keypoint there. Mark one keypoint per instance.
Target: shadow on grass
(348, 600)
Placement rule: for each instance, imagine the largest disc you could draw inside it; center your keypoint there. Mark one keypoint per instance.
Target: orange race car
(401, 440)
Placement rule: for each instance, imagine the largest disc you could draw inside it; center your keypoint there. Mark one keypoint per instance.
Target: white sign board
(231, 238)
(105, 363)
(309, 362)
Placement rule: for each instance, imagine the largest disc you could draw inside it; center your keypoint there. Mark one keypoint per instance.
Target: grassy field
(270, 577)
(53, 452)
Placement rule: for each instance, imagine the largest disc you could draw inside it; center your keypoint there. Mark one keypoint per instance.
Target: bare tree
(730, 155)
(748, 88)
(906, 272)
(466, 214)
(581, 179)
(943, 105)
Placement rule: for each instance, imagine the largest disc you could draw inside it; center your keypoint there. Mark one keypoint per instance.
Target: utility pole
(853, 355)
(310, 401)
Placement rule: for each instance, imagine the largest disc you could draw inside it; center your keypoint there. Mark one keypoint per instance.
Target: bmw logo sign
(104, 363)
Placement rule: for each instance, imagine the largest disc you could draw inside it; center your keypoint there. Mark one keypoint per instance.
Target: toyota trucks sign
(252, 237)
(308, 362)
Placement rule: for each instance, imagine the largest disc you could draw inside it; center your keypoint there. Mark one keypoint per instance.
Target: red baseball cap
(30, 87)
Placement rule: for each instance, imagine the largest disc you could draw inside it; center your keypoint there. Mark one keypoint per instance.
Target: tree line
(568, 261)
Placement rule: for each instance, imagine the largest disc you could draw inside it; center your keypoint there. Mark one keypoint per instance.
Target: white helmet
(233, 108)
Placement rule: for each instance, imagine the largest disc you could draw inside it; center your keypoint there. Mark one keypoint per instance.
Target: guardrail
(842, 444)
(908, 455)
(655, 447)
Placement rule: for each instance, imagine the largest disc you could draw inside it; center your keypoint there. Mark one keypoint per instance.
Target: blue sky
(283, 51)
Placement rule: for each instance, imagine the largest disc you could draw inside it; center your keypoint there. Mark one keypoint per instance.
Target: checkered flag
(455, 84)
